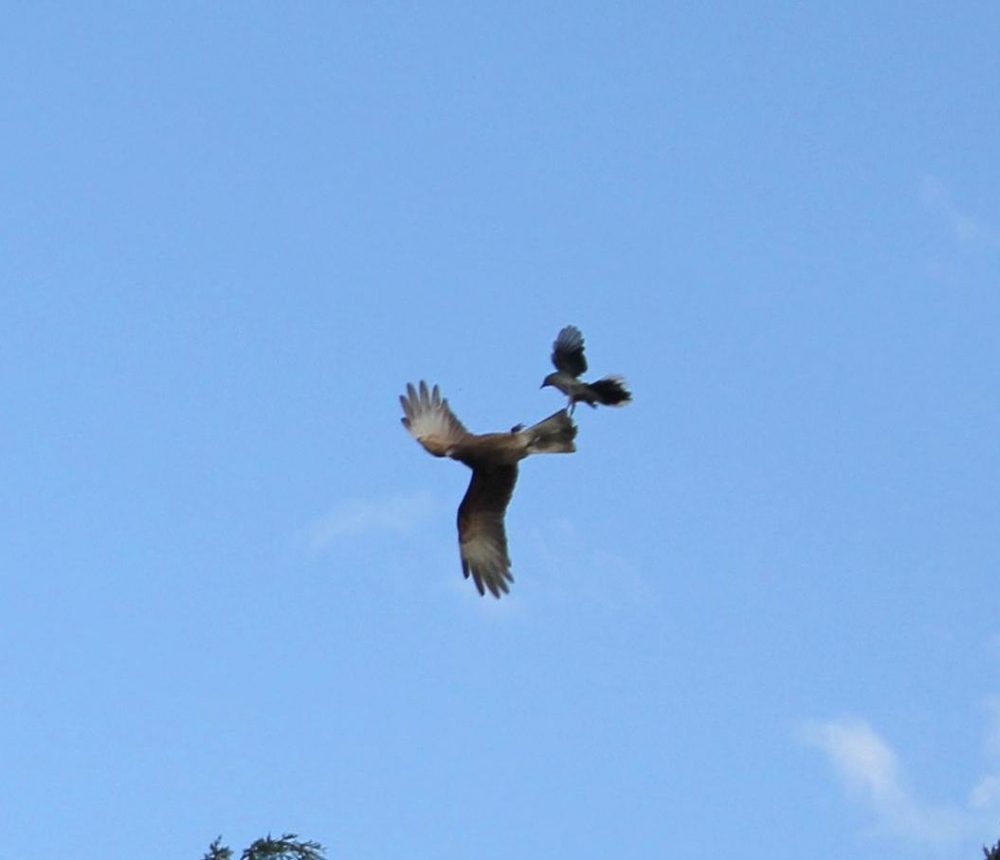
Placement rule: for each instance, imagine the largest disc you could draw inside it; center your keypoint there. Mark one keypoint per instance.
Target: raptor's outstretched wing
(482, 537)
(430, 420)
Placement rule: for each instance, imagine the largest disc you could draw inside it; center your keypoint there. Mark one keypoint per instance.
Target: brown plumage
(493, 458)
(570, 363)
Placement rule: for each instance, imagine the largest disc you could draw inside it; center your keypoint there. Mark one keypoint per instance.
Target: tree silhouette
(287, 847)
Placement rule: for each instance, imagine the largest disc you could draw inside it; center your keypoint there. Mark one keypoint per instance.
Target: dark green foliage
(217, 851)
(992, 853)
(288, 847)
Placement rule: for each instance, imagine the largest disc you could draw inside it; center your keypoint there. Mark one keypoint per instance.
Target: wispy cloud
(575, 566)
(986, 793)
(399, 513)
(993, 735)
(966, 227)
(872, 774)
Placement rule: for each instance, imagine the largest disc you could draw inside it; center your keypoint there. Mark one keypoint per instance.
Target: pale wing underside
(482, 537)
(567, 351)
(430, 420)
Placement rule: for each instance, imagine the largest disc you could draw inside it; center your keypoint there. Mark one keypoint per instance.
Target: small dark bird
(570, 362)
(493, 458)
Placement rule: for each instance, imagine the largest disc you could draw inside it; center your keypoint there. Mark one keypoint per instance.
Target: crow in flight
(570, 362)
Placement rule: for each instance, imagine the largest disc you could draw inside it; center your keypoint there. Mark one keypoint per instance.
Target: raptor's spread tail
(554, 435)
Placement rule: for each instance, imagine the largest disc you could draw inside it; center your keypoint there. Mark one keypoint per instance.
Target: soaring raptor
(570, 363)
(493, 458)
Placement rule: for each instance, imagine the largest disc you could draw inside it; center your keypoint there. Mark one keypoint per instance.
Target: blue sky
(755, 612)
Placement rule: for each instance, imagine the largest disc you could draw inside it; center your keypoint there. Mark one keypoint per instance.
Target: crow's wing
(430, 420)
(482, 538)
(567, 351)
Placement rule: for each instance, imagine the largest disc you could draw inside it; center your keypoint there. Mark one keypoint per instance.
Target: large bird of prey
(493, 458)
(570, 363)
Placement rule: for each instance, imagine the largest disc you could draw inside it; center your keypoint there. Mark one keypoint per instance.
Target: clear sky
(754, 615)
